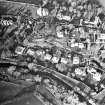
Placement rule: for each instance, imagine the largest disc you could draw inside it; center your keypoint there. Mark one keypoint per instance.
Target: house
(30, 52)
(93, 23)
(64, 60)
(55, 59)
(101, 38)
(79, 45)
(40, 52)
(96, 76)
(80, 72)
(47, 57)
(60, 34)
(103, 53)
(19, 50)
(76, 60)
(42, 12)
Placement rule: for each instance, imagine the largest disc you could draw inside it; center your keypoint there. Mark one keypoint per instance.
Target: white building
(79, 45)
(42, 12)
(64, 60)
(55, 59)
(76, 60)
(96, 76)
(47, 57)
(31, 52)
(101, 38)
(19, 50)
